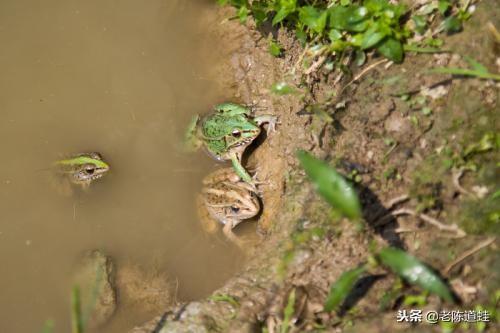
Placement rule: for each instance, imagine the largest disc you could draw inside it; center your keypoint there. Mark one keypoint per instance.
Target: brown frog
(225, 198)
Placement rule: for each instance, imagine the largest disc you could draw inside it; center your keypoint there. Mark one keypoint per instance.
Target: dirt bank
(404, 137)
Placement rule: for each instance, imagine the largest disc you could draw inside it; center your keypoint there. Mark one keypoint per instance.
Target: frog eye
(235, 209)
(236, 133)
(89, 170)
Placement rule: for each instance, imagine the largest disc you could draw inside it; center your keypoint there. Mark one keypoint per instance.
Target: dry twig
(467, 254)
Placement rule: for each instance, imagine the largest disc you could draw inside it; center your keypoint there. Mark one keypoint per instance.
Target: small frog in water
(225, 198)
(227, 132)
(82, 169)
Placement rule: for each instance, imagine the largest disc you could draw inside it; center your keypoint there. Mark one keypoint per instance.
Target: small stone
(398, 124)
(94, 276)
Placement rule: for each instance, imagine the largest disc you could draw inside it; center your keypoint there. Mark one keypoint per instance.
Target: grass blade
(76, 311)
(288, 312)
(418, 49)
(415, 272)
(342, 287)
(465, 72)
(331, 185)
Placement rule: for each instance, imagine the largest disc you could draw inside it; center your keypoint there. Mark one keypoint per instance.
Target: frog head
(229, 130)
(83, 168)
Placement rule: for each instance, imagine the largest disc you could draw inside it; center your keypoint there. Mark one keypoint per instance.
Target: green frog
(225, 198)
(82, 169)
(226, 132)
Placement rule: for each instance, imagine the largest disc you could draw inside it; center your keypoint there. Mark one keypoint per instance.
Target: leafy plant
(274, 48)
(415, 272)
(342, 287)
(331, 185)
(368, 24)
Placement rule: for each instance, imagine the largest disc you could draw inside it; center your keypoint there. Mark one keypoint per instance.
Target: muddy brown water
(122, 78)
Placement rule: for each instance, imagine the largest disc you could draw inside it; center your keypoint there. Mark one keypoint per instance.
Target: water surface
(118, 77)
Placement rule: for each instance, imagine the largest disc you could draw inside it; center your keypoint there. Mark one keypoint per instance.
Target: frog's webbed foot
(268, 119)
(239, 169)
(257, 183)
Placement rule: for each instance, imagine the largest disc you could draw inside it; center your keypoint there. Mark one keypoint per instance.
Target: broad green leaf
(283, 88)
(301, 36)
(371, 37)
(452, 24)
(274, 48)
(313, 18)
(392, 49)
(376, 5)
(342, 287)
(286, 7)
(243, 14)
(360, 58)
(420, 23)
(331, 185)
(443, 6)
(352, 18)
(415, 272)
(259, 12)
(334, 35)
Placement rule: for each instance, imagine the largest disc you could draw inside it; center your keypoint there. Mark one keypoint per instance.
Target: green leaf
(313, 18)
(331, 185)
(334, 35)
(243, 14)
(451, 24)
(415, 272)
(351, 18)
(360, 58)
(274, 48)
(420, 23)
(371, 37)
(301, 36)
(286, 7)
(443, 6)
(392, 49)
(342, 287)
(283, 88)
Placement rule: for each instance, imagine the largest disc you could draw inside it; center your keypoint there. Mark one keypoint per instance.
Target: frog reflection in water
(226, 199)
(227, 132)
(81, 169)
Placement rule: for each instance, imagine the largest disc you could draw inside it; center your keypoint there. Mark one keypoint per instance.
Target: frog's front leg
(240, 170)
(191, 140)
(269, 119)
(228, 232)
